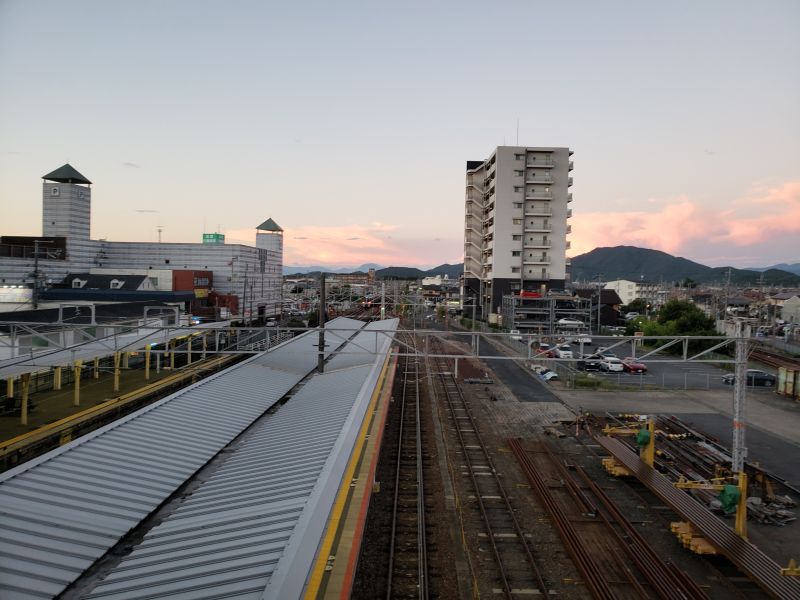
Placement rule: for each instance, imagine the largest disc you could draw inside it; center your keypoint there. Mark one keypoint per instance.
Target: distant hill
(630, 262)
(292, 270)
(790, 267)
(452, 271)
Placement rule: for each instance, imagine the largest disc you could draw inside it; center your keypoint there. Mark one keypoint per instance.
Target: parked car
(603, 352)
(543, 349)
(633, 365)
(589, 362)
(631, 315)
(514, 334)
(563, 351)
(272, 323)
(754, 378)
(583, 338)
(611, 364)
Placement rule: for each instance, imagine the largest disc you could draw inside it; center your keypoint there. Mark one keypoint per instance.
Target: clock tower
(66, 204)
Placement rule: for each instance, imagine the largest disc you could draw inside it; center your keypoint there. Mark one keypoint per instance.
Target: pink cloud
(357, 244)
(764, 215)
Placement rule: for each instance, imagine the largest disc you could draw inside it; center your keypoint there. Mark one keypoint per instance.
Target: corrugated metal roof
(251, 529)
(64, 510)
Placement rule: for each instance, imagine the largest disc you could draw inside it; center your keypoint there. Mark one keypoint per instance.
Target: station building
(29, 265)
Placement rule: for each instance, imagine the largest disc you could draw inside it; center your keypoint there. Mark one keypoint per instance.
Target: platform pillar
(96, 368)
(10, 387)
(25, 380)
(76, 393)
(173, 344)
(147, 363)
(56, 378)
(158, 362)
(117, 359)
(205, 346)
(189, 350)
(125, 358)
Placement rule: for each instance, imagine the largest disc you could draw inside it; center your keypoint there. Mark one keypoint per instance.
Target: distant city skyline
(350, 125)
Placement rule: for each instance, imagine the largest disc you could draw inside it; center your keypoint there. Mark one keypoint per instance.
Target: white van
(564, 351)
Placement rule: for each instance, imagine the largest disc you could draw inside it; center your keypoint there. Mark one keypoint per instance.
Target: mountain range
(630, 262)
(618, 262)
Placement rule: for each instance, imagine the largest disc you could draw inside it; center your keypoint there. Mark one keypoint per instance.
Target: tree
(638, 305)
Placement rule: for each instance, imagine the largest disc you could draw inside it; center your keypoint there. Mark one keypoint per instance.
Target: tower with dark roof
(66, 204)
(269, 236)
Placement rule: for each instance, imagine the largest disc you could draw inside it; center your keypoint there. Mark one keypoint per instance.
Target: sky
(350, 123)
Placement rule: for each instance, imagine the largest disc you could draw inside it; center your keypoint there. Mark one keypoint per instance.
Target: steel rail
(587, 566)
(410, 390)
(450, 387)
(774, 360)
(748, 558)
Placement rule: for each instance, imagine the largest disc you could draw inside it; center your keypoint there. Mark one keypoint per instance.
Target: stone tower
(66, 204)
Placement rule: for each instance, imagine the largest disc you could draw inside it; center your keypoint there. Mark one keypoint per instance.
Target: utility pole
(36, 274)
(599, 298)
(739, 396)
(383, 300)
(322, 315)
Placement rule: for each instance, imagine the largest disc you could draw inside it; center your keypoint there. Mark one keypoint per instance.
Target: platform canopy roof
(66, 174)
(269, 225)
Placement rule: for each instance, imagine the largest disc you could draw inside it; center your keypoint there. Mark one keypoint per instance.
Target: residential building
(250, 274)
(516, 223)
(629, 291)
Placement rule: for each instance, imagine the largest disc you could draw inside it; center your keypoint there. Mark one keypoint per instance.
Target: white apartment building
(253, 273)
(516, 223)
(628, 291)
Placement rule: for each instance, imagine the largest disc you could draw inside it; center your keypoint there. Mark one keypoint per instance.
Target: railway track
(611, 555)
(517, 574)
(407, 575)
(774, 359)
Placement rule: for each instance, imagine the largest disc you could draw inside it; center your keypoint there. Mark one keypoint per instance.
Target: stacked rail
(749, 559)
(599, 535)
(517, 571)
(408, 551)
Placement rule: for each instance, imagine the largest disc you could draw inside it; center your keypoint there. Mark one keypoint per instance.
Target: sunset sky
(350, 123)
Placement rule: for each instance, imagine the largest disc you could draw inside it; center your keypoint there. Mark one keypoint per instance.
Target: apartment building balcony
(571, 165)
(569, 213)
(538, 195)
(547, 179)
(569, 197)
(542, 260)
(569, 228)
(569, 245)
(569, 182)
(538, 228)
(546, 163)
(537, 244)
(539, 211)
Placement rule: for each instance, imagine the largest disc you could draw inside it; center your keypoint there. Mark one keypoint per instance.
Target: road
(525, 386)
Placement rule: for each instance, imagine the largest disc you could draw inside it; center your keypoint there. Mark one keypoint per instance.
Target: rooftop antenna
(159, 228)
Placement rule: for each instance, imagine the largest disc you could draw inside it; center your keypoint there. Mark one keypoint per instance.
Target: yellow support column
(117, 358)
(740, 522)
(25, 380)
(205, 346)
(125, 357)
(76, 394)
(173, 344)
(10, 387)
(147, 363)
(96, 368)
(56, 378)
(189, 350)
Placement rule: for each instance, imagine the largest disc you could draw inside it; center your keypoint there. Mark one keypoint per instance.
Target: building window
(518, 188)
(516, 221)
(517, 204)
(516, 253)
(515, 269)
(519, 173)
(516, 238)
(519, 157)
